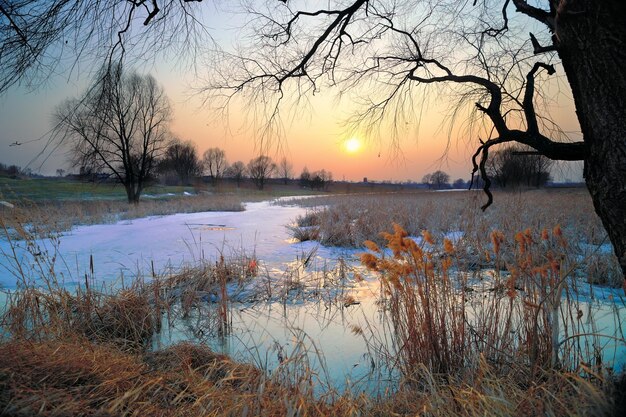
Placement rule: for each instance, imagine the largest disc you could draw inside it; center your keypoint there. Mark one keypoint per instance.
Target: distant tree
(516, 166)
(316, 182)
(260, 169)
(119, 126)
(60, 172)
(86, 173)
(285, 169)
(440, 179)
(305, 178)
(236, 171)
(320, 180)
(214, 160)
(182, 159)
(437, 179)
(13, 171)
(459, 183)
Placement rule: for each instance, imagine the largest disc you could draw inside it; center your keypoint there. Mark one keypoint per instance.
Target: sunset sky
(315, 135)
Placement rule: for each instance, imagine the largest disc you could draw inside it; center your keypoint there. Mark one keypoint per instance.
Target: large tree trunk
(591, 39)
(132, 193)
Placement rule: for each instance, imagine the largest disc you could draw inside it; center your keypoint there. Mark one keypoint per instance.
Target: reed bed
(525, 320)
(349, 220)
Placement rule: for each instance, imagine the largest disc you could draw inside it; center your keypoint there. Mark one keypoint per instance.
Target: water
(304, 322)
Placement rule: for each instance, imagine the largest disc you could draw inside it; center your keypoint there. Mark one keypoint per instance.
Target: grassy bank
(58, 204)
(75, 377)
(61, 189)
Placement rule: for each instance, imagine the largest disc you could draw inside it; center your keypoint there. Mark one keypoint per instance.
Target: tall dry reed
(523, 322)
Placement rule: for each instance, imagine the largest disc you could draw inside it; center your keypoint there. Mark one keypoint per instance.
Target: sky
(316, 137)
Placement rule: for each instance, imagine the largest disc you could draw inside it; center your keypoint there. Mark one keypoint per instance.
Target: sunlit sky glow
(314, 136)
(353, 145)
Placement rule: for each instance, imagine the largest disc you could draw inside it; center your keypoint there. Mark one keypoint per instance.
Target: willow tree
(120, 126)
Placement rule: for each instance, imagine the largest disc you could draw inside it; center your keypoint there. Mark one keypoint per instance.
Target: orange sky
(314, 138)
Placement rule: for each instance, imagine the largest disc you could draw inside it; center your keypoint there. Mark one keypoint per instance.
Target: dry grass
(57, 216)
(349, 220)
(521, 321)
(513, 349)
(89, 352)
(79, 378)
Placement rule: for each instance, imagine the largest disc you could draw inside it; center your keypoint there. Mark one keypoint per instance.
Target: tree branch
(543, 16)
(538, 49)
(528, 105)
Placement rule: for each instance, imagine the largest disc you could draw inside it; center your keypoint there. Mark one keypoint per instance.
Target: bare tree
(214, 160)
(119, 126)
(437, 180)
(320, 180)
(393, 52)
(260, 169)
(182, 159)
(285, 169)
(516, 165)
(426, 179)
(236, 171)
(37, 36)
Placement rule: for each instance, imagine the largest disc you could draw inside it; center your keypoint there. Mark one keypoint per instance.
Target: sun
(352, 145)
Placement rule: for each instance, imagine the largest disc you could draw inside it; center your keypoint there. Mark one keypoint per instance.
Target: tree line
(510, 167)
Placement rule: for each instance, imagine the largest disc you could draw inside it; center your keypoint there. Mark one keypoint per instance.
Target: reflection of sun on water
(352, 145)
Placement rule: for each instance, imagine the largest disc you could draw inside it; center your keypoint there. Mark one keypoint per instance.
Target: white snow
(132, 246)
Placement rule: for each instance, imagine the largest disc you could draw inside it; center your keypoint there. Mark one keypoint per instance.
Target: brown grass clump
(523, 321)
(64, 378)
(125, 318)
(486, 394)
(78, 378)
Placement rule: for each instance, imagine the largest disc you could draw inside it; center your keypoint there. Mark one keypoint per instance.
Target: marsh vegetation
(448, 312)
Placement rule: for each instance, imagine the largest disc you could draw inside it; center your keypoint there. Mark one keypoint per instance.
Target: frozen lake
(134, 247)
(264, 333)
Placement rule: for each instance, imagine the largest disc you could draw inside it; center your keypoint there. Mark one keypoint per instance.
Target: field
(58, 204)
(302, 307)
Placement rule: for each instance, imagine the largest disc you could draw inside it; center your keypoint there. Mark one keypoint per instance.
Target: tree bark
(591, 40)
(132, 194)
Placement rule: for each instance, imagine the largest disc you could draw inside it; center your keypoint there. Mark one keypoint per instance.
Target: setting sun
(352, 145)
